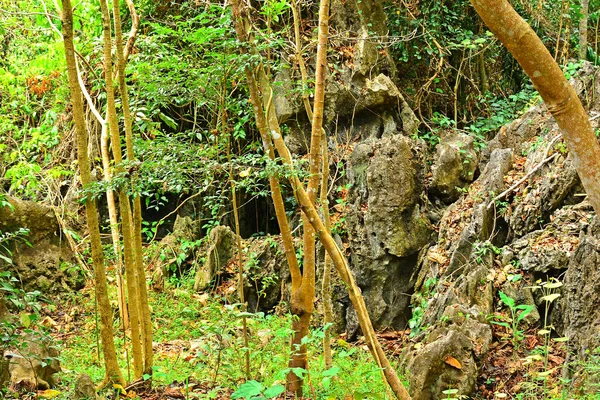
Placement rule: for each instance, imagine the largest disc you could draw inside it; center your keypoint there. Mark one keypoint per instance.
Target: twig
(72, 245)
(533, 171)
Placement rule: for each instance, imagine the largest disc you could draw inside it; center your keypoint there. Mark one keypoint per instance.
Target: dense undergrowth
(199, 349)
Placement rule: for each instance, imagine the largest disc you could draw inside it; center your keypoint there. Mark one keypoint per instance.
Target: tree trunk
(142, 299)
(271, 133)
(113, 373)
(548, 79)
(125, 208)
(302, 301)
(583, 29)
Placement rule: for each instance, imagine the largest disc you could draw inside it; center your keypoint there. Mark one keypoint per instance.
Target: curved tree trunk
(113, 373)
(549, 80)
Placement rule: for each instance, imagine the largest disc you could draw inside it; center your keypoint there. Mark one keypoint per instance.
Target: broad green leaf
(248, 390)
(274, 391)
(510, 302)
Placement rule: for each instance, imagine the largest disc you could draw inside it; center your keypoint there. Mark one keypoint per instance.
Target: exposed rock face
(449, 355)
(220, 251)
(33, 365)
(267, 272)
(185, 229)
(41, 265)
(579, 310)
(454, 166)
(387, 226)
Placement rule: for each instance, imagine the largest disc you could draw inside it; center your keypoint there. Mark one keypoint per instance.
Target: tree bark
(557, 93)
(113, 373)
(142, 299)
(583, 29)
(125, 208)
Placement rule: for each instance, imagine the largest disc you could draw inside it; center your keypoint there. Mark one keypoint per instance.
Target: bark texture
(113, 373)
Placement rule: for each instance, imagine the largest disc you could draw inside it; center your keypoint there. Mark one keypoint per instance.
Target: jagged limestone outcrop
(454, 166)
(45, 265)
(220, 251)
(387, 225)
(33, 365)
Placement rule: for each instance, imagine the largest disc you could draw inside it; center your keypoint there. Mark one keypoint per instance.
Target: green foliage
(518, 313)
(419, 306)
(253, 390)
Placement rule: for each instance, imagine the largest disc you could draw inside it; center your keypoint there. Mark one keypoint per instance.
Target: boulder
(221, 249)
(454, 166)
(84, 388)
(579, 309)
(169, 250)
(267, 273)
(33, 365)
(42, 264)
(447, 357)
(386, 225)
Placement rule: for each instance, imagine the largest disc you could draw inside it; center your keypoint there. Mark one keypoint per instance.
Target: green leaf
(510, 302)
(25, 319)
(526, 310)
(274, 391)
(331, 371)
(248, 390)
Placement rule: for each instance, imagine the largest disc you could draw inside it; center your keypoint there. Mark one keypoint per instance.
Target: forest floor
(199, 351)
(199, 354)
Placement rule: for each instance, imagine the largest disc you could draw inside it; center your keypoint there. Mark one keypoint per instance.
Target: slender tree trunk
(125, 208)
(113, 373)
(548, 79)
(302, 302)
(326, 285)
(583, 29)
(143, 306)
(270, 133)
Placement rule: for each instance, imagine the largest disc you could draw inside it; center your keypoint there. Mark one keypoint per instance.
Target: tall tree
(303, 291)
(131, 272)
(113, 373)
(549, 80)
(136, 228)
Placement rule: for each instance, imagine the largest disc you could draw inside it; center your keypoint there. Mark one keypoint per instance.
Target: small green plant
(482, 249)
(422, 302)
(253, 390)
(518, 313)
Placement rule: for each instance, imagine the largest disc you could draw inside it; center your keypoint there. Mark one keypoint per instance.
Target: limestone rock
(33, 365)
(221, 246)
(84, 388)
(387, 226)
(454, 166)
(547, 191)
(579, 309)
(267, 273)
(447, 358)
(41, 265)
